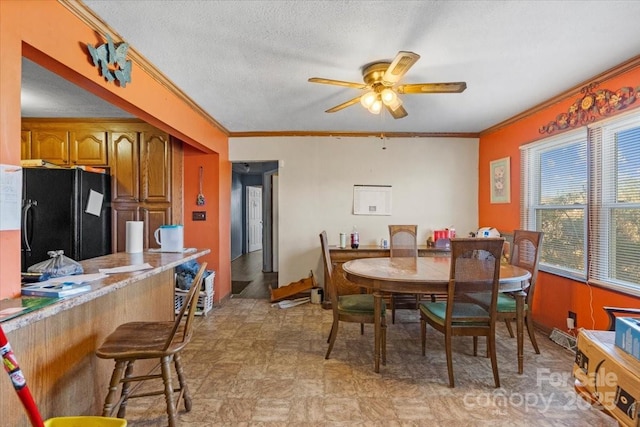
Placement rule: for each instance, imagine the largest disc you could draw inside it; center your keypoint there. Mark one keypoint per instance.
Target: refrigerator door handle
(27, 205)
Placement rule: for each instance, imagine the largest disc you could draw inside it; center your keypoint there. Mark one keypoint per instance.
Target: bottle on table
(355, 239)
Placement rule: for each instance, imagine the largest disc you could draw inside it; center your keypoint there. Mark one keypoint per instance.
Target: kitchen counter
(159, 261)
(55, 345)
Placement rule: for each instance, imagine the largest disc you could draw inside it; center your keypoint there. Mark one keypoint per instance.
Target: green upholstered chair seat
(357, 303)
(506, 303)
(436, 311)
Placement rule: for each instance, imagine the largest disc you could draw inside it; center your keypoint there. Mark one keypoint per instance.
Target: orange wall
(205, 234)
(555, 295)
(47, 33)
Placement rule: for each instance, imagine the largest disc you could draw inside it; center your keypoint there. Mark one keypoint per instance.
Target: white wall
(434, 181)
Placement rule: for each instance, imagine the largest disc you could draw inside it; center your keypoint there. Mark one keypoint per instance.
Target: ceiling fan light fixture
(368, 99)
(388, 96)
(376, 107)
(395, 104)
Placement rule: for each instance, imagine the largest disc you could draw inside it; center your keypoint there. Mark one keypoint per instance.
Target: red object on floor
(19, 381)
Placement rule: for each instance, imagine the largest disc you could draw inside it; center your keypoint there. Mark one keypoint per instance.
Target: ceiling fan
(380, 83)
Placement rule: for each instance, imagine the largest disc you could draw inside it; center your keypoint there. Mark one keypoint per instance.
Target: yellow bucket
(85, 422)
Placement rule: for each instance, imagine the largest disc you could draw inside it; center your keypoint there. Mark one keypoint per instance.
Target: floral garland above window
(591, 105)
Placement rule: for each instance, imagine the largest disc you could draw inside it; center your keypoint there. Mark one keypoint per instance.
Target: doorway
(254, 225)
(245, 175)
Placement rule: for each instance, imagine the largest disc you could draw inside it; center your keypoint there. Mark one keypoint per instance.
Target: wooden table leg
(519, 296)
(377, 313)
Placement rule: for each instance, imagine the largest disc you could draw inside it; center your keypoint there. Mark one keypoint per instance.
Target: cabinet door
(155, 167)
(51, 145)
(88, 147)
(124, 167)
(120, 214)
(154, 217)
(25, 144)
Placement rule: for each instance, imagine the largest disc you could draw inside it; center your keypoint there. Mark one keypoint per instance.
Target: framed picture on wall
(500, 176)
(372, 200)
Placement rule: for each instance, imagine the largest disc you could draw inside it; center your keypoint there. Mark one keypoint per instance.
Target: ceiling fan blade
(453, 87)
(397, 113)
(399, 67)
(337, 83)
(344, 105)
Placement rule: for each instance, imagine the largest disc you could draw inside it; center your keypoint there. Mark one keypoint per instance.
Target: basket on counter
(205, 299)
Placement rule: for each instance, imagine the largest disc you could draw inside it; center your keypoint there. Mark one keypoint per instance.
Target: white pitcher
(170, 238)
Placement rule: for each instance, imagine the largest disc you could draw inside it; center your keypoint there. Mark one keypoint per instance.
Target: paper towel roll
(134, 236)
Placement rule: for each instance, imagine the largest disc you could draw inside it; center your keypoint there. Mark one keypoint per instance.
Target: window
(582, 189)
(615, 214)
(556, 201)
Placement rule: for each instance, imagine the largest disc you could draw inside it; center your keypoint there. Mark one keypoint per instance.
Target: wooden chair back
(475, 268)
(185, 317)
(328, 280)
(525, 253)
(403, 241)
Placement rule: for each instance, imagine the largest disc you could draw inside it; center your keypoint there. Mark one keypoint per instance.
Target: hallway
(247, 278)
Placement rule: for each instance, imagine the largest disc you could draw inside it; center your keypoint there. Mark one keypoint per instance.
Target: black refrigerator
(67, 209)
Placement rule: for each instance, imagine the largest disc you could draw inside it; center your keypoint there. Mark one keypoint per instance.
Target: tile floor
(251, 364)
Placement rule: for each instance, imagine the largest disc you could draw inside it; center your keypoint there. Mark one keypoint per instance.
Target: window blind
(555, 189)
(614, 214)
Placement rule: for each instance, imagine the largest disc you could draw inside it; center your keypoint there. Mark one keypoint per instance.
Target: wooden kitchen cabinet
(141, 182)
(88, 146)
(64, 143)
(125, 186)
(152, 216)
(51, 145)
(120, 214)
(25, 144)
(140, 159)
(141, 167)
(155, 167)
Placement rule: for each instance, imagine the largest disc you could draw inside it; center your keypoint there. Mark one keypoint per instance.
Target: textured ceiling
(247, 62)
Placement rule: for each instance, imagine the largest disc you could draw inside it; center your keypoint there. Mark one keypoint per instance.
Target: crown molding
(386, 135)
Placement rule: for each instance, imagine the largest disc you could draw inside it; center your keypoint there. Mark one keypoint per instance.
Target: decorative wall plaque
(592, 105)
(112, 61)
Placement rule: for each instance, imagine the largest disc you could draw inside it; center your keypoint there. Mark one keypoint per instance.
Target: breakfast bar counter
(55, 344)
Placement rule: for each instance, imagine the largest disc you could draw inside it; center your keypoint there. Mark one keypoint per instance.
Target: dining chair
(475, 267)
(162, 340)
(525, 253)
(355, 308)
(403, 243)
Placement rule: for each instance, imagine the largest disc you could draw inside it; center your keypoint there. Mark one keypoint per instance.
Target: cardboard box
(628, 335)
(610, 375)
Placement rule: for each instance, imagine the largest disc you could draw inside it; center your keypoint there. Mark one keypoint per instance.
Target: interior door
(254, 218)
(274, 221)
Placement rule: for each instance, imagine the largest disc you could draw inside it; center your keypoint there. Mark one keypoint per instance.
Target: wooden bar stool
(151, 340)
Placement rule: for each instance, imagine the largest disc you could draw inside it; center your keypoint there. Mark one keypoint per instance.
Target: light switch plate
(199, 215)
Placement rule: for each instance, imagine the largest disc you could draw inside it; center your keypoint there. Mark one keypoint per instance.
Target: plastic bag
(185, 273)
(56, 266)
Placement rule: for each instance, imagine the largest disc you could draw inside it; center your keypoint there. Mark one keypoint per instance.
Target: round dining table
(426, 275)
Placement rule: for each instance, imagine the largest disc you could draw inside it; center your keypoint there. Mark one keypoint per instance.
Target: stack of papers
(59, 287)
(126, 268)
